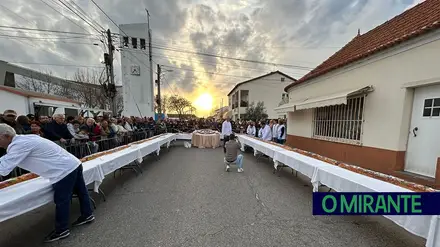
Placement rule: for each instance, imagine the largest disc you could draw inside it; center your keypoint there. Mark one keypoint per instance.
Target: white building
(267, 88)
(137, 79)
(376, 102)
(28, 102)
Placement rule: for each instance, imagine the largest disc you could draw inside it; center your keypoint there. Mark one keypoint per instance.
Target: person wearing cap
(31, 117)
(50, 161)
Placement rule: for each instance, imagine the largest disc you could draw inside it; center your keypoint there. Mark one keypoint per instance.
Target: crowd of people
(83, 136)
(268, 130)
(86, 135)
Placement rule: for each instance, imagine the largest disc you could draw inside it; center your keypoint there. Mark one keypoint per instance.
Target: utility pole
(110, 87)
(221, 110)
(159, 100)
(150, 57)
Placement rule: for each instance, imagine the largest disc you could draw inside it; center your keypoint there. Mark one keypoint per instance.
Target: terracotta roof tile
(418, 20)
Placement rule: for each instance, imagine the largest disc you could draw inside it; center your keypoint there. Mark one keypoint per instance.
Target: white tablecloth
(184, 136)
(26, 196)
(343, 180)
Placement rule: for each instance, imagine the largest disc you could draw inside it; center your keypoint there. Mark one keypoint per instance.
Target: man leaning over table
(50, 161)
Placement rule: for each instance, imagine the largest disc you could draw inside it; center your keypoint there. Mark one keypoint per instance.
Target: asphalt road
(187, 199)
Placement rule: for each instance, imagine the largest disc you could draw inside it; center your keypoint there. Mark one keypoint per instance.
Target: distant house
(40, 104)
(267, 88)
(221, 112)
(376, 102)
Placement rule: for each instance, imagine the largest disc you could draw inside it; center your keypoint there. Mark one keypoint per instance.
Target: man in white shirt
(48, 160)
(251, 129)
(275, 131)
(267, 132)
(226, 131)
(281, 132)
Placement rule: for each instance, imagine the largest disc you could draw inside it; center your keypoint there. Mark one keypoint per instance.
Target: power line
(186, 59)
(76, 24)
(44, 38)
(220, 65)
(80, 16)
(60, 65)
(252, 46)
(236, 59)
(43, 30)
(215, 73)
(86, 14)
(16, 14)
(108, 16)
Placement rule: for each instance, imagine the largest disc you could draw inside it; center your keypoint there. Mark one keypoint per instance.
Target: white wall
(11, 101)
(268, 89)
(388, 108)
(61, 105)
(136, 89)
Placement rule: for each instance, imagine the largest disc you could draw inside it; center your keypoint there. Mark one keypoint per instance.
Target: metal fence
(82, 148)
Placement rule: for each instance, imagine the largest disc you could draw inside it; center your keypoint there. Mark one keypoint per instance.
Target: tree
(180, 105)
(92, 97)
(256, 112)
(164, 107)
(38, 82)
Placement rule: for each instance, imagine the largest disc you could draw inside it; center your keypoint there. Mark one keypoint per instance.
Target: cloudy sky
(285, 32)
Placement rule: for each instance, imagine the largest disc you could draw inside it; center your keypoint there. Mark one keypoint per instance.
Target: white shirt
(281, 137)
(267, 133)
(260, 133)
(39, 156)
(250, 130)
(128, 127)
(275, 131)
(226, 128)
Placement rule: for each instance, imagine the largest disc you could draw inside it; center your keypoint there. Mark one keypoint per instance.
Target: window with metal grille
(143, 44)
(134, 42)
(125, 41)
(340, 123)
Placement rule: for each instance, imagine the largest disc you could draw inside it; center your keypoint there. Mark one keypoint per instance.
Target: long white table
(343, 180)
(29, 195)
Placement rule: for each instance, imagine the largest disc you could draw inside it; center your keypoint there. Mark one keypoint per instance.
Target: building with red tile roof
(376, 102)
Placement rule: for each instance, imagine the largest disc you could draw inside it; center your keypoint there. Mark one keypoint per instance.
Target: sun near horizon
(204, 103)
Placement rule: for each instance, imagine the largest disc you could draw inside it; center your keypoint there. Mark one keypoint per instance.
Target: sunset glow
(204, 102)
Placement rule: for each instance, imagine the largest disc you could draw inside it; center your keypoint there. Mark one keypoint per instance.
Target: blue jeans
(63, 191)
(239, 161)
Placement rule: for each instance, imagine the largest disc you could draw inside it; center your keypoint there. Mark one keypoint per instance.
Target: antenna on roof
(359, 31)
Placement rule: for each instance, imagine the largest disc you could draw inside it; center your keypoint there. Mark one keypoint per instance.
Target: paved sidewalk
(187, 199)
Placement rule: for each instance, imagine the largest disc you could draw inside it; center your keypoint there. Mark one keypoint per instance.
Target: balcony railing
(244, 103)
(284, 101)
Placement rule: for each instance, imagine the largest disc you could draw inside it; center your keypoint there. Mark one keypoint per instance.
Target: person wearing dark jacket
(9, 118)
(57, 129)
(23, 121)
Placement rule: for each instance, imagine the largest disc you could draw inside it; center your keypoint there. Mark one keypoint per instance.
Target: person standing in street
(48, 160)
(267, 132)
(275, 131)
(251, 129)
(281, 132)
(226, 131)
